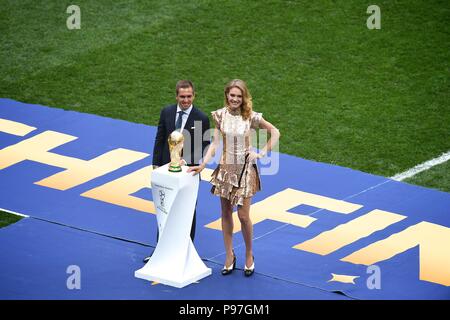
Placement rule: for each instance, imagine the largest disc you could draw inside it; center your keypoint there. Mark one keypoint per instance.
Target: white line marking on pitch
(16, 213)
(422, 167)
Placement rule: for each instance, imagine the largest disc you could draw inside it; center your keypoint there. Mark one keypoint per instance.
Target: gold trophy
(175, 140)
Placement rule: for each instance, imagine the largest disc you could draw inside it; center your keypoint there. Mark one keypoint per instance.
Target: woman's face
(234, 98)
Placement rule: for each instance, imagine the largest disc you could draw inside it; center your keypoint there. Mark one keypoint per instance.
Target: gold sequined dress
(234, 179)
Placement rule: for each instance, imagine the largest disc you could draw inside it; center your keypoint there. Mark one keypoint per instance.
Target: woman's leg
(247, 230)
(227, 229)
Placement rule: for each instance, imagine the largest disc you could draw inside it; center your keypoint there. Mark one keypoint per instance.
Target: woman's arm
(209, 154)
(274, 137)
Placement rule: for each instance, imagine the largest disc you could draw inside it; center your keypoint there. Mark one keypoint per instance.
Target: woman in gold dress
(236, 179)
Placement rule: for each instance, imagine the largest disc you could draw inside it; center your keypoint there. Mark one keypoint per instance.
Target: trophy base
(175, 168)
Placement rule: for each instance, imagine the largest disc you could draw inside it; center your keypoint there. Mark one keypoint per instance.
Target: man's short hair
(185, 84)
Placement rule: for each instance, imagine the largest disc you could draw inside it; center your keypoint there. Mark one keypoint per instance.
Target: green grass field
(372, 100)
(7, 219)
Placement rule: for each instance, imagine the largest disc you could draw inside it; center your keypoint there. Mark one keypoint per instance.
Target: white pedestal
(175, 262)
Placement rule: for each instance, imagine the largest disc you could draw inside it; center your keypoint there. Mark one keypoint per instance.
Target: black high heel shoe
(227, 270)
(249, 271)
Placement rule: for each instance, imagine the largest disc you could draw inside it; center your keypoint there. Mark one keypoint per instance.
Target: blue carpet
(278, 262)
(35, 256)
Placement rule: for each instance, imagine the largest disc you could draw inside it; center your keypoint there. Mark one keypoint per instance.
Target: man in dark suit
(189, 120)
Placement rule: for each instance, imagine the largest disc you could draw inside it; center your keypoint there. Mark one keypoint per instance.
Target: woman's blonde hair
(247, 104)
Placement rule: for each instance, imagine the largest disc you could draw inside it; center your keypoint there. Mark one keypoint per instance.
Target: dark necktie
(179, 120)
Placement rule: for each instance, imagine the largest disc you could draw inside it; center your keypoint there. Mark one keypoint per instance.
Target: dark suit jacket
(194, 147)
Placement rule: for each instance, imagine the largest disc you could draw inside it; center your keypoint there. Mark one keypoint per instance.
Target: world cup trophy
(175, 140)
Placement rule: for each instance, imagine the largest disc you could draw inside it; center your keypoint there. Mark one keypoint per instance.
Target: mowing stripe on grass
(422, 167)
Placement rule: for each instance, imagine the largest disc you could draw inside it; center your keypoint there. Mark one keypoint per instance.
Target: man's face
(185, 97)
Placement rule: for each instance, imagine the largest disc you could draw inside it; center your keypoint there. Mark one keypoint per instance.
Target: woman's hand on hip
(253, 155)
